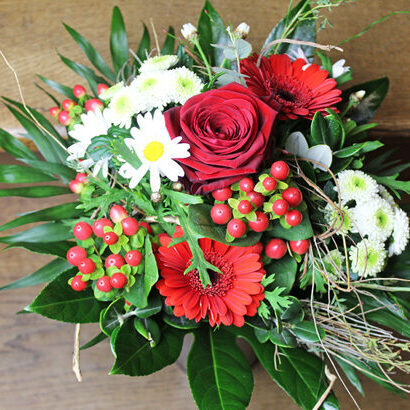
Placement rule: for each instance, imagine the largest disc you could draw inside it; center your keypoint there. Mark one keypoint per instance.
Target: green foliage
(219, 374)
(18, 174)
(118, 40)
(326, 130)
(351, 374)
(94, 341)
(302, 231)
(392, 183)
(169, 43)
(46, 248)
(308, 332)
(112, 316)
(35, 191)
(14, 146)
(144, 47)
(276, 299)
(62, 89)
(283, 272)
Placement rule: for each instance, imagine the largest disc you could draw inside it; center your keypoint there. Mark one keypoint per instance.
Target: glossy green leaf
(301, 231)
(66, 173)
(59, 302)
(144, 47)
(392, 183)
(351, 374)
(18, 174)
(285, 272)
(118, 40)
(46, 248)
(325, 130)
(94, 341)
(112, 317)
(180, 322)
(55, 213)
(135, 357)
(307, 331)
(218, 372)
(356, 149)
(45, 274)
(54, 99)
(93, 55)
(35, 191)
(48, 232)
(153, 307)
(62, 89)
(284, 339)
(169, 43)
(14, 146)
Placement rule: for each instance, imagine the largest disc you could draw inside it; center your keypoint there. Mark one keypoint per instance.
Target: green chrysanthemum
(334, 218)
(333, 262)
(368, 258)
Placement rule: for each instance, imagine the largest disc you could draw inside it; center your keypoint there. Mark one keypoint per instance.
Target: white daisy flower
(123, 106)
(400, 232)
(374, 218)
(153, 89)
(185, 84)
(339, 68)
(158, 63)
(156, 151)
(334, 264)
(110, 92)
(356, 185)
(368, 258)
(334, 218)
(384, 193)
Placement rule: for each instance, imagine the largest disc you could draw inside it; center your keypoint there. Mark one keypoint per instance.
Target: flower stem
(204, 59)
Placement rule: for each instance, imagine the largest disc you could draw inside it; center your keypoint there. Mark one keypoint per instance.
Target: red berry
(93, 105)
(79, 91)
(118, 280)
(221, 214)
(127, 303)
(280, 170)
(64, 118)
(54, 111)
(130, 226)
(147, 226)
(75, 255)
(179, 232)
(118, 213)
(300, 247)
(133, 258)
(236, 228)
(269, 183)
(78, 284)
(114, 260)
(292, 196)
(86, 266)
(82, 231)
(81, 177)
(98, 226)
(222, 194)
(257, 248)
(103, 284)
(293, 217)
(76, 186)
(244, 207)
(101, 88)
(110, 238)
(256, 198)
(280, 207)
(67, 104)
(246, 185)
(276, 249)
(261, 223)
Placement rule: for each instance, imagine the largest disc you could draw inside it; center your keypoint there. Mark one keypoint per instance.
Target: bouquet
(223, 193)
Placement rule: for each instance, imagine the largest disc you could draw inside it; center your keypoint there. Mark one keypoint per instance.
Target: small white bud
(189, 31)
(360, 94)
(242, 30)
(156, 197)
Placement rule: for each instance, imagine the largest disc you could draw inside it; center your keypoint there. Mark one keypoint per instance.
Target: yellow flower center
(153, 151)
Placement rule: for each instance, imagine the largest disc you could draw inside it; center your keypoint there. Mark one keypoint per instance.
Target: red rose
(229, 130)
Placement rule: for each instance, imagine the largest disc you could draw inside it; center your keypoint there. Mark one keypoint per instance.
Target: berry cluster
(276, 248)
(69, 112)
(252, 205)
(108, 253)
(77, 184)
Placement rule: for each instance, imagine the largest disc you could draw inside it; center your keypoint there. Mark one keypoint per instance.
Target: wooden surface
(31, 33)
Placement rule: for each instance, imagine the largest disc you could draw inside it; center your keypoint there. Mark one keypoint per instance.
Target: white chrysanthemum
(189, 31)
(401, 232)
(339, 68)
(156, 151)
(158, 63)
(124, 104)
(334, 264)
(368, 257)
(185, 84)
(93, 124)
(374, 218)
(110, 92)
(384, 193)
(333, 218)
(356, 185)
(154, 89)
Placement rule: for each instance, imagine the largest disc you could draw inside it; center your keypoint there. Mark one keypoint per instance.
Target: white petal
(155, 179)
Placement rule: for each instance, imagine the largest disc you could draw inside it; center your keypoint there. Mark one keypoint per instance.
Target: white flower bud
(189, 31)
(242, 30)
(360, 94)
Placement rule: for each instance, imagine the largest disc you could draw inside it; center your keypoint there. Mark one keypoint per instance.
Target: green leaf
(219, 374)
(169, 43)
(180, 322)
(150, 268)
(67, 174)
(46, 248)
(307, 332)
(122, 149)
(284, 339)
(144, 47)
(153, 307)
(93, 55)
(112, 317)
(376, 91)
(59, 302)
(35, 191)
(392, 183)
(351, 374)
(134, 355)
(17, 174)
(62, 89)
(55, 213)
(285, 272)
(201, 223)
(14, 146)
(212, 30)
(94, 341)
(301, 231)
(48, 232)
(183, 196)
(45, 274)
(325, 130)
(356, 149)
(118, 40)
(55, 101)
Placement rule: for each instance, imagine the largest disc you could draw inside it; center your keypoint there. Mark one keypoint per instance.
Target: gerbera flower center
(289, 91)
(221, 282)
(154, 151)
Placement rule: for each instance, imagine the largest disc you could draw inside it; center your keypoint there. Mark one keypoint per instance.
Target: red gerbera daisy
(233, 294)
(301, 92)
